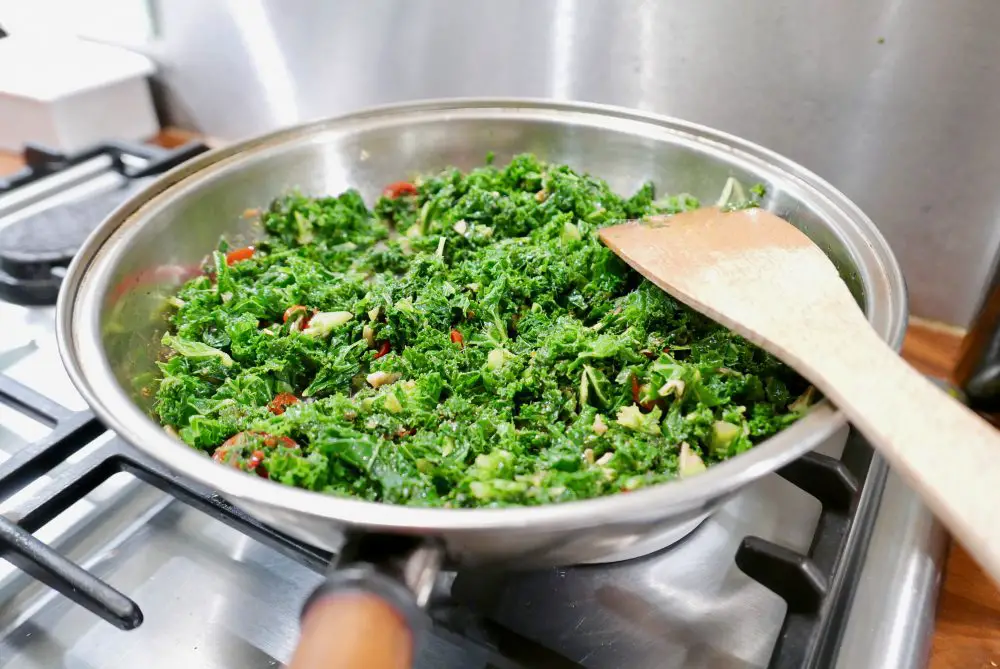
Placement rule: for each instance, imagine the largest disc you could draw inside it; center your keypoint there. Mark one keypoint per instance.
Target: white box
(68, 94)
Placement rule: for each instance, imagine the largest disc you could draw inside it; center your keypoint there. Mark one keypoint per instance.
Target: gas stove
(112, 561)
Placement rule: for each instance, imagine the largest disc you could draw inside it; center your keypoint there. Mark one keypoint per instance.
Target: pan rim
(79, 340)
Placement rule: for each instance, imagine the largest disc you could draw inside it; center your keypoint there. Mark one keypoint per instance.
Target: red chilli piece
(229, 452)
(457, 338)
(281, 402)
(238, 255)
(294, 311)
(271, 441)
(254, 464)
(383, 349)
(234, 441)
(299, 316)
(646, 406)
(398, 189)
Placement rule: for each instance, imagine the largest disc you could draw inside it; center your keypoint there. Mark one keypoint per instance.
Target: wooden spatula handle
(946, 453)
(354, 630)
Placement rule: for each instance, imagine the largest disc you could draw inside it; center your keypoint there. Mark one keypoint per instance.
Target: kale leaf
(466, 342)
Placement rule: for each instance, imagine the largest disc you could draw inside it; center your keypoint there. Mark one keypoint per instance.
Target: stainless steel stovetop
(214, 597)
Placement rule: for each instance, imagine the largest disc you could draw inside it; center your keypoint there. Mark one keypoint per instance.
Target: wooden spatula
(763, 278)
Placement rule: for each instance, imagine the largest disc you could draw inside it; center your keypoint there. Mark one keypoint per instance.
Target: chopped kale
(467, 342)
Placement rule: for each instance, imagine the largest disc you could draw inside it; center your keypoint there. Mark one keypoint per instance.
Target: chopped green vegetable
(690, 463)
(496, 358)
(723, 435)
(634, 419)
(196, 350)
(467, 342)
(803, 402)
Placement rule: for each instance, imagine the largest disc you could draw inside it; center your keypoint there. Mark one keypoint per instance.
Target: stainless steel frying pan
(110, 318)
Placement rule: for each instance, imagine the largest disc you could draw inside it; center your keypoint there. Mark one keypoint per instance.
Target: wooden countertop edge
(967, 629)
(167, 137)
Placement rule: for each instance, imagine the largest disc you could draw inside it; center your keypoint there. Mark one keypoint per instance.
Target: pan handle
(369, 615)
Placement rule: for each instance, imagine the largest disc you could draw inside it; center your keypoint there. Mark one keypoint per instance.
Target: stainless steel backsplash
(896, 103)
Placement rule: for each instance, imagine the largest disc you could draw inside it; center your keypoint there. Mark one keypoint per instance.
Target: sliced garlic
(600, 427)
(673, 387)
(392, 402)
(379, 379)
(321, 324)
(690, 463)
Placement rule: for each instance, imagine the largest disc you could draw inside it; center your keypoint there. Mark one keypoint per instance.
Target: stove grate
(35, 249)
(818, 586)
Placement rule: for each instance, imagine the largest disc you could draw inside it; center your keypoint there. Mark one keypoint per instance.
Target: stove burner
(818, 586)
(35, 250)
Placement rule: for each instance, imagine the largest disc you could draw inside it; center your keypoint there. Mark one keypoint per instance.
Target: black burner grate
(35, 250)
(133, 161)
(71, 432)
(818, 587)
(74, 430)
